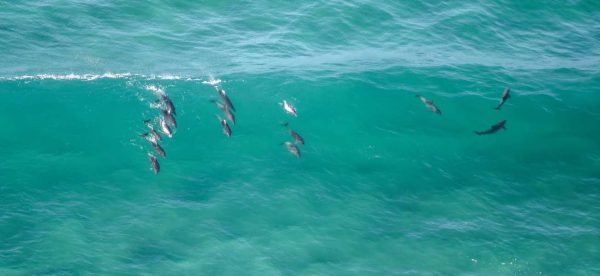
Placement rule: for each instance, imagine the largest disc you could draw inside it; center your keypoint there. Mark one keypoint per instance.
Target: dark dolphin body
(168, 104)
(429, 104)
(159, 150)
(154, 144)
(225, 98)
(154, 163)
(296, 137)
(164, 127)
(292, 149)
(505, 96)
(230, 116)
(149, 137)
(493, 129)
(169, 118)
(294, 134)
(226, 128)
(152, 131)
(226, 111)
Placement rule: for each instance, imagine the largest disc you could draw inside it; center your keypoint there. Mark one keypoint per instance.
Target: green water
(383, 187)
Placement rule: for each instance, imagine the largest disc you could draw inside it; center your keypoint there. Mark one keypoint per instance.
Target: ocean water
(383, 186)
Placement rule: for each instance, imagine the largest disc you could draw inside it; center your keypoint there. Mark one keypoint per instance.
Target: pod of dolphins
(493, 129)
(226, 107)
(500, 125)
(166, 120)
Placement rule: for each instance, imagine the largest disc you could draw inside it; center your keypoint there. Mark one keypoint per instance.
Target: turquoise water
(383, 187)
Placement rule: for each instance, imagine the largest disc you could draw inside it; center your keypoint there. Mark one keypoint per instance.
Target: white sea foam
(212, 82)
(70, 76)
(155, 89)
(108, 75)
(164, 77)
(90, 77)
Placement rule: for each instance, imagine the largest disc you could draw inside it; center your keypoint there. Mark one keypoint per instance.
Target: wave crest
(108, 75)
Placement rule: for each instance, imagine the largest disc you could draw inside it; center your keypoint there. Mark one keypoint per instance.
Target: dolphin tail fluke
(478, 133)
(497, 107)
(284, 124)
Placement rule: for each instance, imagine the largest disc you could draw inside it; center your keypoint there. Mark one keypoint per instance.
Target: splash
(212, 81)
(159, 91)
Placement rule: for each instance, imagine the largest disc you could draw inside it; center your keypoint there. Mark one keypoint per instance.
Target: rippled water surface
(383, 186)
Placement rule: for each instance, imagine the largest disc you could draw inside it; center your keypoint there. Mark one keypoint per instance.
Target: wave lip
(71, 76)
(91, 77)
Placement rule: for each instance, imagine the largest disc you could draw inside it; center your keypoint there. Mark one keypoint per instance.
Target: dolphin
(149, 137)
(288, 108)
(429, 104)
(169, 118)
(168, 104)
(493, 129)
(154, 144)
(154, 163)
(152, 131)
(293, 149)
(294, 134)
(505, 96)
(226, 129)
(225, 109)
(164, 127)
(230, 116)
(159, 149)
(225, 99)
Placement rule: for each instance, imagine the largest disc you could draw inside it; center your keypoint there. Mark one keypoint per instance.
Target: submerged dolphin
(429, 104)
(226, 111)
(159, 150)
(164, 127)
(288, 108)
(152, 131)
(493, 129)
(226, 129)
(168, 104)
(169, 118)
(149, 137)
(505, 96)
(294, 134)
(225, 99)
(154, 163)
(293, 149)
(154, 144)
